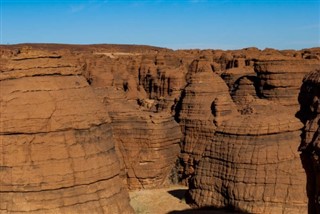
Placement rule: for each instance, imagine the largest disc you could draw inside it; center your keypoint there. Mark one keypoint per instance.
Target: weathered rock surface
(139, 102)
(149, 145)
(253, 165)
(57, 151)
(280, 81)
(236, 110)
(204, 104)
(146, 142)
(251, 161)
(310, 146)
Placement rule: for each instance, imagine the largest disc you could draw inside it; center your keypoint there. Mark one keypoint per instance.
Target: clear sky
(216, 24)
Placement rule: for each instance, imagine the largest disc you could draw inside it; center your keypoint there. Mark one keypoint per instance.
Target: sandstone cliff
(250, 162)
(78, 122)
(253, 165)
(57, 151)
(204, 104)
(310, 146)
(147, 142)
(139, 103)
(281, 80)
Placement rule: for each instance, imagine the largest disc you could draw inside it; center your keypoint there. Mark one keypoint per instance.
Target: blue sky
(216, 24)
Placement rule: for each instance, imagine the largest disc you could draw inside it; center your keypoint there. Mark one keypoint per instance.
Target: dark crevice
(178, 106)
(309, 150)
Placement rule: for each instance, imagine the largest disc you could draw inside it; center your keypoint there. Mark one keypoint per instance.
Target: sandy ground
(159, 201)
(169, 200)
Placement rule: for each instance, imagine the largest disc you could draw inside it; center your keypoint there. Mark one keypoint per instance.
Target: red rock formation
(162, 77)
(205, 103)
(144, 130)
(57, 152)
(218, 180)
(147, 142)
(139, 102)
(235, 109)
(310, 113)
(253, 165)
(280, 81)
(149, 145)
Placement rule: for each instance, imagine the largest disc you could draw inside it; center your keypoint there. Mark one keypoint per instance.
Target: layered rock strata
(280, 81)
(235, 109)
(252, 165)
(139, 92)
(204, 104)
(310, 113)
(147, 142)
(57, 151)
(149, 145)
(162, 77)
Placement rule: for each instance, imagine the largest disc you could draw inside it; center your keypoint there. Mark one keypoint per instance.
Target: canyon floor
(168, 200)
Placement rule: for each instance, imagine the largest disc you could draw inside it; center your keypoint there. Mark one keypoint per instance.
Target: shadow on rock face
(182, 194)
(309, 114)
(307, 164)
(205, 210)
(305, 100)
(178, 193)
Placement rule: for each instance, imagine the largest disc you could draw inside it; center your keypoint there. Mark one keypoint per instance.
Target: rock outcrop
(81, 123)
(280, 81)
(310, 146)
(139, 103)
(57, 151)
(149, 145)
(147, 142)
(251, 161)
(204, 104)
(253, 165)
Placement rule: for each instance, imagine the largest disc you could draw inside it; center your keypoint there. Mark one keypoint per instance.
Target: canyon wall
(253, 165)
(204, 103)
(139, 98)
(226, 123)
(251, 162)
(57, 150)
(309, 99)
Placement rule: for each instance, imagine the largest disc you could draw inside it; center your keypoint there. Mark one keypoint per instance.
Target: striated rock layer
(236, 110)
(250, 162)
(57, 151)
(310, 146)
(147, 142)
(280, 81)
(205, 103)
(149, 145)
(253, 165)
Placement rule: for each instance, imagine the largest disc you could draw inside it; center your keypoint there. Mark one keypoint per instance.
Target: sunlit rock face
(147, 143)
(57, 151)
(138, 91)
(205, 103)
(251, 161)
(253, 165)
(280, 81)
(81, 124)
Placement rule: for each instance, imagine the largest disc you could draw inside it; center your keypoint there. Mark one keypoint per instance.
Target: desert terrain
(143, 129)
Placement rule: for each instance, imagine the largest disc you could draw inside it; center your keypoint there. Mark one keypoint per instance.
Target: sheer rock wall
(57, 151)
(253, 166)
(310, 146)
